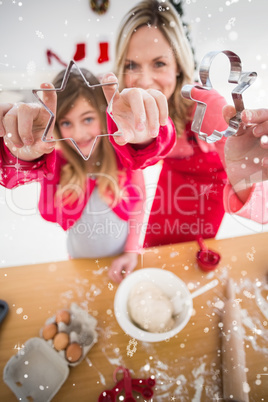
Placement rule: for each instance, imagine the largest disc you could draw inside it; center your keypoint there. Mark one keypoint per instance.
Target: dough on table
(150, 308)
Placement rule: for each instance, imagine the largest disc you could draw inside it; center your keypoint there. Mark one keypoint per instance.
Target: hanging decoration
(51, 55)
(104, 49)
(80, 52)
(99, 6)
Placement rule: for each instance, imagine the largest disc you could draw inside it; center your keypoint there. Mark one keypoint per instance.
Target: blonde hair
(73, 176)
(163, 15)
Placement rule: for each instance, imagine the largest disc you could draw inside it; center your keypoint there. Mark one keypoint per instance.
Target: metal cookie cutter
(52, 116)
(237, 76)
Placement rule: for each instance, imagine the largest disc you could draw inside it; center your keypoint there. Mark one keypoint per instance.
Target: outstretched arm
(127, 262)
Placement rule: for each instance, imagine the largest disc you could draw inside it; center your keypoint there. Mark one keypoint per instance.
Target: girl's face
(81, 123)
(150, 62)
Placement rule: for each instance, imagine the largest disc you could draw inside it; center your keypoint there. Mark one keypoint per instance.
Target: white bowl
(170, 284)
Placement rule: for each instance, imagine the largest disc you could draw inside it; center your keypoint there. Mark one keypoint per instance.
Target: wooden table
(187, 366)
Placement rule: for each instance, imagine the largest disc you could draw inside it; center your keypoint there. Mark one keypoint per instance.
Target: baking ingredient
(63, 316)
(150, 308)
(49, 331)
(73, 352)
(61, 341)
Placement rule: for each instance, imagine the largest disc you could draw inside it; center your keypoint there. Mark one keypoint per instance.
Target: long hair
(163, 15)
(74, 174)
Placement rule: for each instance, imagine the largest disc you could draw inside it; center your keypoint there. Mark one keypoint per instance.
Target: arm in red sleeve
(255, 208)
(15, 172)
(159, 148)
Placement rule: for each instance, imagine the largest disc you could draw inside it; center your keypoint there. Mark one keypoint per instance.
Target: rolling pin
(235, 387)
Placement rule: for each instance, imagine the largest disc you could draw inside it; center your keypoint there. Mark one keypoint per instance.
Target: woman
(153, 53)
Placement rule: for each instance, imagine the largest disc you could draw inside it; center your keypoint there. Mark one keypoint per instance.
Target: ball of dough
(150, 308)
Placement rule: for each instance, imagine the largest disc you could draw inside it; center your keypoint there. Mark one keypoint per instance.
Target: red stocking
(103, 57)
(80, 53)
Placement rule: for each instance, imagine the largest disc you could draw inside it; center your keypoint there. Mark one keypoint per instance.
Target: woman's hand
(138, 113)
(122, 266)
(246, 153)
(22, 126)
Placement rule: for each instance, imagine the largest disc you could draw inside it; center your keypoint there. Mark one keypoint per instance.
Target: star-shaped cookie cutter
(237, 76)
(52, 116)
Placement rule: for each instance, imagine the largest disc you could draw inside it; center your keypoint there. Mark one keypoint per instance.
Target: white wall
(29, 27)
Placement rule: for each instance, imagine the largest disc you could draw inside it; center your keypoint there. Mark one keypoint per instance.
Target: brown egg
(49, 331)
(63, 316)
(73, 352)
(61, 341)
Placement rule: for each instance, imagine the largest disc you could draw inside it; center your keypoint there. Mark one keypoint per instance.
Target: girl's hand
(122, 266)
(22, 126)
(246, 153)
(138, 113)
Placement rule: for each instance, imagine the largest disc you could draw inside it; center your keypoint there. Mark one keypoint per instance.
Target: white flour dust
(170, 373)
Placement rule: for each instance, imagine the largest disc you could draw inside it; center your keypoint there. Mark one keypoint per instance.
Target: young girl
(198, 180)
(98, 202)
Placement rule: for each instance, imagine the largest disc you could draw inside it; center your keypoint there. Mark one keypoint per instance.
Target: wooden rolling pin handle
(233, 353)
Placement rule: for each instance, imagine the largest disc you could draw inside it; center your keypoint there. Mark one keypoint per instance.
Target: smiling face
(82, 123)
(150, 62)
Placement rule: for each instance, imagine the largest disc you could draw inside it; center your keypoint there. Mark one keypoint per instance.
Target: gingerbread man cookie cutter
(236, 76)
(52, 116)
